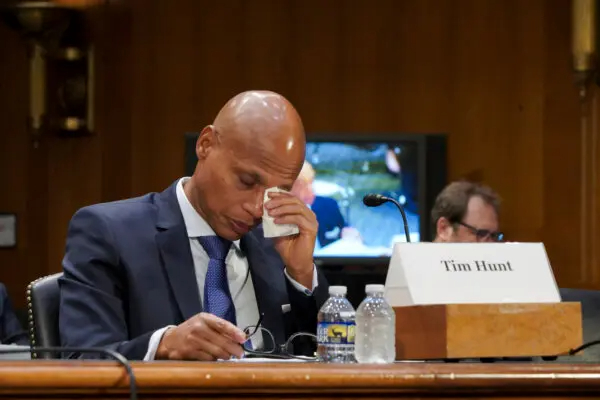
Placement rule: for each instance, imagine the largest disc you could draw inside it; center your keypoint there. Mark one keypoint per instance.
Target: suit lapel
(174, 247)
(269, 284)
(266, 267)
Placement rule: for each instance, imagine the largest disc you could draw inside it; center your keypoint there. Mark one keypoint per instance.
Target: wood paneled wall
(494, 74)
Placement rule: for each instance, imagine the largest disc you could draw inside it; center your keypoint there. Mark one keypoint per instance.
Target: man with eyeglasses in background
(466, 212)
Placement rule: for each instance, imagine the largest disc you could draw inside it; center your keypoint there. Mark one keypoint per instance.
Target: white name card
(463, 273)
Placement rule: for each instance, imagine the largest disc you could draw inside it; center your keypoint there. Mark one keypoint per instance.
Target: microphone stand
(406, 233)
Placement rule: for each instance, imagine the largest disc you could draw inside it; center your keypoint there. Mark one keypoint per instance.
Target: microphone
(111, 353)
(375, 200)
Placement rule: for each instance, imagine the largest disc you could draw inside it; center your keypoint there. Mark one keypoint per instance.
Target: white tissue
(270, 228)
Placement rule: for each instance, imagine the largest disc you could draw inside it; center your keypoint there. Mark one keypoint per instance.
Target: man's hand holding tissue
(295, 250)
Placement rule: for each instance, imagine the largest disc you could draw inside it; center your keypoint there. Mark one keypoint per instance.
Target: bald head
(256, 142)
(264, 119)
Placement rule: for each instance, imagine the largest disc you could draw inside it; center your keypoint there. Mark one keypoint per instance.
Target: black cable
(583, 346)
(113, 354)
(572, 352)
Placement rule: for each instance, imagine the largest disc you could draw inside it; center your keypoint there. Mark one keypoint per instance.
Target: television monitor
(410, 168)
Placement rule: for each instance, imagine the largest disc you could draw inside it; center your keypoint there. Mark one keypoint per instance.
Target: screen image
(340, 174)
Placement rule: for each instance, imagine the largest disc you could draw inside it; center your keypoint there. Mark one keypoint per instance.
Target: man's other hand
(204, 337)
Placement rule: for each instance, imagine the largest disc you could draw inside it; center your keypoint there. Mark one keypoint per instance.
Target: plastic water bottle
(375, 328)
(336, 328)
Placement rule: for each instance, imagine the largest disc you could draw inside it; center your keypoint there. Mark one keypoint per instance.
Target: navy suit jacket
(330, 219)
(128, 271)
(11, 330)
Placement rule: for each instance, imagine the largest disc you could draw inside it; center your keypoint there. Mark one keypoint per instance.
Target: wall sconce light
(585, 67)
(61, 73)
(583, 43)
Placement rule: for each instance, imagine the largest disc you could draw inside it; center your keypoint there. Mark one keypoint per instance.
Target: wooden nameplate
(487, 330)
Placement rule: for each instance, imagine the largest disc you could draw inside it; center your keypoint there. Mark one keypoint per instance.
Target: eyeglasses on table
(271, 349)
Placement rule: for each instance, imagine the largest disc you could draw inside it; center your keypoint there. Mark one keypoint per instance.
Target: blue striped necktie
(217, 297)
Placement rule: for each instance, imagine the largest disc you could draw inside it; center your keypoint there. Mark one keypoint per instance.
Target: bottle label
(336, 332)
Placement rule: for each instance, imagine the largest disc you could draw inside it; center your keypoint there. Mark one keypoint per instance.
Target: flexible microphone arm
(110, 353)
(375, 200)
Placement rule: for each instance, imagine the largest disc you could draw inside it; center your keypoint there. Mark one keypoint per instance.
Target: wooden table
(178, 380)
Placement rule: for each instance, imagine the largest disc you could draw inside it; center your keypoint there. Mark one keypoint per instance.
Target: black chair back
(43, 300)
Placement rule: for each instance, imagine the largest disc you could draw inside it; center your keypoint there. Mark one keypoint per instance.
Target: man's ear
(444, 229)
(205, 142)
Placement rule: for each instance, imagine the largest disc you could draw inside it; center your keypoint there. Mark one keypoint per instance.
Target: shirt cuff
(154, 342)
(302, 288)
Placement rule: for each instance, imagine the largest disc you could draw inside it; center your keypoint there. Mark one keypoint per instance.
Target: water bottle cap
(374, 288)
(337, 290)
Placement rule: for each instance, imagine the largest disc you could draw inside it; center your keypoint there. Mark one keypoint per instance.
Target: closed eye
(247, 181)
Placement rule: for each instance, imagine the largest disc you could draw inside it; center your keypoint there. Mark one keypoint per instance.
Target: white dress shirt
(240, 280)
